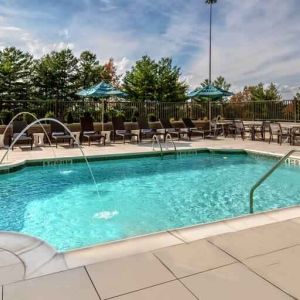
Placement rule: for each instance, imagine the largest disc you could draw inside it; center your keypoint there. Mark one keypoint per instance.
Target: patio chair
(88, 132)
(59, 134)
(295, 134)
(192, 129)
(146, 131)
(169, 129)
(120, 130)
(240, 129)
(281, 133)
(214, 131)
(261, 131)
(17, 128)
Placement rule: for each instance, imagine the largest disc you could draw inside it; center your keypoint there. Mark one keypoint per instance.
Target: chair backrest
(87, 124)
(118, 123)
(275, 128)
(239, 124)
(19, 126)
(166, 123)
(265, 125)
(295, 130)
(143, 123)
(188, 123)
(56, 128)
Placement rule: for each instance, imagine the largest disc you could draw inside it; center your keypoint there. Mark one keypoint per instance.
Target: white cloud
(123, 65)
(64, 33)
(254, 44)
(253, 41)
(21, 38)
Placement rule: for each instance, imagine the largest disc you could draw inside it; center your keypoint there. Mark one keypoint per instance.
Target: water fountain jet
(67, 130)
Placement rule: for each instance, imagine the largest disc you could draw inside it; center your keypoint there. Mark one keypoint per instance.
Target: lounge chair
(119, 130)
(88, 132)
(192, 128)
(146, 131)
(277, 130)
(17, 128)
(169, 129)
(205, 133)
(58, 133)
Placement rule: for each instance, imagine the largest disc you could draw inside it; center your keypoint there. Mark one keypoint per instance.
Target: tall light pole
(210, 2)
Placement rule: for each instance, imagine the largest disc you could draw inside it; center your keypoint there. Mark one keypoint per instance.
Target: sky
(253, 41)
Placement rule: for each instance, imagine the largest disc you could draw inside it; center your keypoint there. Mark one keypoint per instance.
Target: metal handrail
(263, 178)
(169, 137)
(156, 139)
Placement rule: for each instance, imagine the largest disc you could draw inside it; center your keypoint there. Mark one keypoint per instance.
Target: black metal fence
(288, 110)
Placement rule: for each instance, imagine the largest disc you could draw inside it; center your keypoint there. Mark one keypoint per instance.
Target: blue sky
(253, 41)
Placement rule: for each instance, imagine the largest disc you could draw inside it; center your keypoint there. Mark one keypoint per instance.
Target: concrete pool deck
(24, 153)
(261, 262)
(244, 258)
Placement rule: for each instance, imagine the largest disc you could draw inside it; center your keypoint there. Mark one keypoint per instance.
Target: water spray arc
(69, 132)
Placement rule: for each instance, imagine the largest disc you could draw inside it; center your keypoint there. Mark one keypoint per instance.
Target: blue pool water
(138, 196)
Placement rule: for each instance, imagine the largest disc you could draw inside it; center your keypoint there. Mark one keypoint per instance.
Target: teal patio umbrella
(211, 92)
(101, 90)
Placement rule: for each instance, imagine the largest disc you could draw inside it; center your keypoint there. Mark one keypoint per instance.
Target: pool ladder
(266, 176)
(168, 140)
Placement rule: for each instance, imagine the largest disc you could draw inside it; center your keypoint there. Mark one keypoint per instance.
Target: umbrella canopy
(101, 90)
(209, 91)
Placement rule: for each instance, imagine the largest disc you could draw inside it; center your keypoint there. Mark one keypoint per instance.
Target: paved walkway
(257, 263)
(24, 152)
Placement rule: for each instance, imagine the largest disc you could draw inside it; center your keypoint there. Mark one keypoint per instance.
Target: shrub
(28, 118)
(115, 113)
(50, 114)
(5, 116)
(152, 117)
(135, 115)
(69, 118)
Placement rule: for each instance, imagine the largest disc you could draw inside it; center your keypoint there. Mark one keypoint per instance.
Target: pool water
(60, 204)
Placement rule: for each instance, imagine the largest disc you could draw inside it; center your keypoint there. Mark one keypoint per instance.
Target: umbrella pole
(103, 106)
(209, 114)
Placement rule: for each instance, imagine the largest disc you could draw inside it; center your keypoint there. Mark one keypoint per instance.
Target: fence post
(55, 109)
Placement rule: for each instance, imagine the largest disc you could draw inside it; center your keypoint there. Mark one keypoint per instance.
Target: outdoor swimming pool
(60, 205)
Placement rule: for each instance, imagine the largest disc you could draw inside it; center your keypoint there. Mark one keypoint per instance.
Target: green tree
(262, 93)
(219, 82)
(140, 82)
(15, 74)
(89, 70)
(56, 75)
(155, 81)
(204, 83)
(169, 88)
(297, 96)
